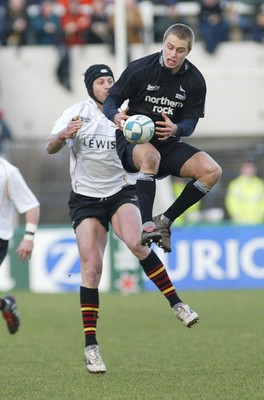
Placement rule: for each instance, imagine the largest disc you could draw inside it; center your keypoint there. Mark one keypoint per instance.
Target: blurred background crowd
(67, 23)
(71, 22)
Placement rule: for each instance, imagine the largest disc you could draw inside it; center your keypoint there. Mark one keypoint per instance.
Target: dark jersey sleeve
(186, 127)
(121, 91)
(131, 81)
(110, 108)
(195, 104)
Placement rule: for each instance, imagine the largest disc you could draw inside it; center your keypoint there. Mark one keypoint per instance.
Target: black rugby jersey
(152, 89)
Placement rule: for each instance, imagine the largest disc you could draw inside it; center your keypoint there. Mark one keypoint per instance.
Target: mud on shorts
(173, 154)
(102, 208)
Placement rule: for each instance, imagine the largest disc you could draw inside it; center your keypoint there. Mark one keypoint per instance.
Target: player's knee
(146, 158)
(91, 273)
(137, 249)
(216, 173)
(152, 158)
(213, 174)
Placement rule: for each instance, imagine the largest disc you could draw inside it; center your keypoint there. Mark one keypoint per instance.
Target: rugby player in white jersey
(102, 193)
(15, 195)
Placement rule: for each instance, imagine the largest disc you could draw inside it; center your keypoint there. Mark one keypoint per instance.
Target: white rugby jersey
(14, 194)
(95, 167)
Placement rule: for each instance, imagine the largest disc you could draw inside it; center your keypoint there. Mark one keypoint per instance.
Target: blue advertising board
(216, 257)
(206, 257)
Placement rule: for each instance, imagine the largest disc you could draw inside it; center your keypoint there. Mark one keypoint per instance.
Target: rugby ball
(138, 129)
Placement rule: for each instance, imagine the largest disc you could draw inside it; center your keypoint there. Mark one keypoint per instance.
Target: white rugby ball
(138, 129)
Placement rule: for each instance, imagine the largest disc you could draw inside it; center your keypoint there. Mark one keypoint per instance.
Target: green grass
(149, 354)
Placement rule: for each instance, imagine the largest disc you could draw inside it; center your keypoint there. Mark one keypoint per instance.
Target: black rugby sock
(146, 190)
(156, 272)
(89, 299)
(191, 194)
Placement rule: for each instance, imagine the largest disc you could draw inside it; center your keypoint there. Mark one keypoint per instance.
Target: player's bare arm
(56, 142)
(166, 128)
(26, 245)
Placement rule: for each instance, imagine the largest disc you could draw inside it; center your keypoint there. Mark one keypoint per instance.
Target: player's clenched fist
(73, 126)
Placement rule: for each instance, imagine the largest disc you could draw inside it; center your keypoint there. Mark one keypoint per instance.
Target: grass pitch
(148, 353)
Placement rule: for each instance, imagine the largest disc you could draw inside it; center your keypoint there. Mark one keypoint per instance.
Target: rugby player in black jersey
(168, 88)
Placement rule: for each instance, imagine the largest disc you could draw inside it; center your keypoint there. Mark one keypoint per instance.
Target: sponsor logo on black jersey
(163, 104)
(153, 88)
(182, 95)
(134, 198)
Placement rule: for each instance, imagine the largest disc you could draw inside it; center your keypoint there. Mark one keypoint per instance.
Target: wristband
(31, 228)
(29, 236)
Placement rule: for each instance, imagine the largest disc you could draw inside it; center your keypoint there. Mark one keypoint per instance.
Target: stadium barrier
(205, 257)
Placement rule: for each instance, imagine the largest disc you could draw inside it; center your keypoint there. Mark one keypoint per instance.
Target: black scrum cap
(93, 72)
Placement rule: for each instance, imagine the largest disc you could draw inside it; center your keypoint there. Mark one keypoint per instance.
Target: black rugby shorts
(173, 154)
(3, 249)
(82, 207)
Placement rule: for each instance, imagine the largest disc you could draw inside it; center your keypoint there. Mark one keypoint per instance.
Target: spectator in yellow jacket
(245, 196)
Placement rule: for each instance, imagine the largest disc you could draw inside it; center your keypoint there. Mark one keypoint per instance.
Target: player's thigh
(173, 156)
(127, 223)
(198, 165)
(91, 239)
(146, 156)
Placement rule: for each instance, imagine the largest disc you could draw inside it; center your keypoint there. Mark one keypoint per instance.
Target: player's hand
(74, 125)
(120, 118)
(166, 128)
(24, 250)
(72, 128)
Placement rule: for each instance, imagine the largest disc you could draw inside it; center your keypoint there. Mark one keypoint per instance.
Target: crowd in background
(65, 23)
(79, 22)
(217, 21)
(72, 22)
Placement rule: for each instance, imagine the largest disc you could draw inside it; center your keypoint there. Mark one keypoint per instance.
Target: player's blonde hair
(182, 31)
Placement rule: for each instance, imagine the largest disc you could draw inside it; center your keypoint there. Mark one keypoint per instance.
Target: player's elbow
(50, 148)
